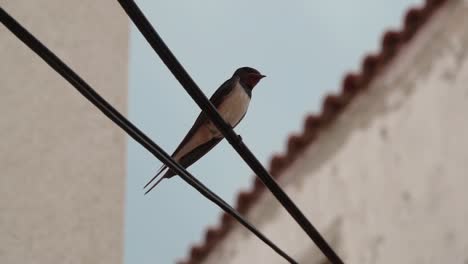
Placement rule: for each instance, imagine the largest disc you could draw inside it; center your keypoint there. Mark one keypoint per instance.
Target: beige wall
(387, 183)
(62, 162)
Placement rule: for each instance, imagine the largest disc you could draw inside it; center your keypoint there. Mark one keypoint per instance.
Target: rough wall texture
(62, 162)
(386, 183)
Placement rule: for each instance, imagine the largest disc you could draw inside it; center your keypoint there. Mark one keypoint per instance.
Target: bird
(231, 100)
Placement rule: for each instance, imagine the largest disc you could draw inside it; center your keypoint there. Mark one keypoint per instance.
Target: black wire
(88, 92)
(142, 23)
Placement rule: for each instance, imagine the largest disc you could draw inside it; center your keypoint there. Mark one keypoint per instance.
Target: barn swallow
(231, 100)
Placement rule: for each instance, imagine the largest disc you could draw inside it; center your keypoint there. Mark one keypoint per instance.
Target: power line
(156, 42)
(87, 91)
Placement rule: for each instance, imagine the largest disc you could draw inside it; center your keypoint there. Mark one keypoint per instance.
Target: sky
(304, 47)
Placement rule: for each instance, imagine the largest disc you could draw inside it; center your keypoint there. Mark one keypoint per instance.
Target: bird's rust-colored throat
(254, 78)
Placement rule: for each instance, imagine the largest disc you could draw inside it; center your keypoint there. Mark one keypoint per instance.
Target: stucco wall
(62, 162)
(387, 182)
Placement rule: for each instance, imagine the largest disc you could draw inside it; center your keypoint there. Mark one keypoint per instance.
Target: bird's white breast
(235, 105)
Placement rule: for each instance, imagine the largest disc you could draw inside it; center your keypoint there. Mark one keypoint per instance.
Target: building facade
(382, 170)
(62, 161)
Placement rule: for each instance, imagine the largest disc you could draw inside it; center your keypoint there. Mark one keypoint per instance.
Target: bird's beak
(262, 76)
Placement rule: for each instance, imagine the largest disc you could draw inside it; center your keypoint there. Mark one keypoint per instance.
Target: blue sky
(304, 47)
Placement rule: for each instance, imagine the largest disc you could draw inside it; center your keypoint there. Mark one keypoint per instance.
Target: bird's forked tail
(154, 185)
(163, 167)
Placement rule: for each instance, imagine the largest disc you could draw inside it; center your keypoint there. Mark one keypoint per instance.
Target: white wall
(387, 182)
(62, 162)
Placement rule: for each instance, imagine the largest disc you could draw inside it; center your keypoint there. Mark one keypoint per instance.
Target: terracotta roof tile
(333, 105)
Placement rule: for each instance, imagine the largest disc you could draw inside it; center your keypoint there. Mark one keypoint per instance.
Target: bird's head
(249, 76)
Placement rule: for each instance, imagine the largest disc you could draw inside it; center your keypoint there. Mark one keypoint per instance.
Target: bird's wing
(195, 155)
(188, 160)
(216, 99)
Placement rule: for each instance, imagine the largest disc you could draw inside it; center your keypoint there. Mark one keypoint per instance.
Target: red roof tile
(333, 105)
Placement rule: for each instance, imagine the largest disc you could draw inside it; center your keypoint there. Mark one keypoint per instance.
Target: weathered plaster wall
(62, 162)
(387, 182)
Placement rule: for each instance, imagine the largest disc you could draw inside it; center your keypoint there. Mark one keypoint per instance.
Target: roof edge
(333, 104)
